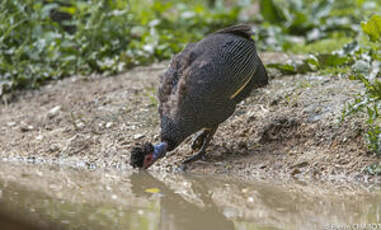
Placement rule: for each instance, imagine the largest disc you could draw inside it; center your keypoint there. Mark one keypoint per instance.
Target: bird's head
(143, 156)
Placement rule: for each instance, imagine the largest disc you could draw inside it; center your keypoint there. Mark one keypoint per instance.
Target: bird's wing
(169, 80)
(199, 73)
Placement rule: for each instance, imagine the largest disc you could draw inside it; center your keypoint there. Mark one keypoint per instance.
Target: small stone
(301, 164)
(251, 115)
(53, 112)
(138, 136)
(262, 166)
(54, 148)
(26, 128)
(39, 137)
(80, 125)
(11, 124)
(109, 124)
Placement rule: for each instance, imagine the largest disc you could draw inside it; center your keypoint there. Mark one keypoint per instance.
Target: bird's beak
(158, 152)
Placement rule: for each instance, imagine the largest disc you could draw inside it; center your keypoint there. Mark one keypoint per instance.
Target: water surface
(64, 198)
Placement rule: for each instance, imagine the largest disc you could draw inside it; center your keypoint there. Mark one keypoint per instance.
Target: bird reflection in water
(178, 213)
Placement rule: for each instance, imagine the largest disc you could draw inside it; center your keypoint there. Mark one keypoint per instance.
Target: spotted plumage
(204, 83)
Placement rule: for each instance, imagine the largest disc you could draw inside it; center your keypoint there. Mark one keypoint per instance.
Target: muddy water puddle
(53, 197)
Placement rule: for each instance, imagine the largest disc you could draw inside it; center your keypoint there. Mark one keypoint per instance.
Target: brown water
(62, 198)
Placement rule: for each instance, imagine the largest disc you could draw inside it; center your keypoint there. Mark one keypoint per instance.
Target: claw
(205, 136)
(199, 156)
(198, 141)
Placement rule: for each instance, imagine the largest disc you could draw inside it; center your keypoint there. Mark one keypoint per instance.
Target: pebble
(53, 112)
(11, 124)
(80, 125)
(26, 128)
(109, 124)
(138, 136)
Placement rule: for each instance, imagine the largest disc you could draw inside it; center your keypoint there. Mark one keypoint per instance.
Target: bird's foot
(199, 156)
(198, 141)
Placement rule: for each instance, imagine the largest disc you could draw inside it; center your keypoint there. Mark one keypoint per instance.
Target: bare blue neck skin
(160, 150)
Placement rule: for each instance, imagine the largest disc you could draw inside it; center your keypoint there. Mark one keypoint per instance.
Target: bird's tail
(243, 30)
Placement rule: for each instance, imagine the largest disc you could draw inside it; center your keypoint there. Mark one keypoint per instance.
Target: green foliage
(359, 61)
(373, 27)
(294, 67)
(337, 40)
(290, 23)
(42, 40)
(370, 101)
(271, 12)
(328, 45)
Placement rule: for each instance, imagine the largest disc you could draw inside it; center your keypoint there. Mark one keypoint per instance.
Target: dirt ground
(289, 129)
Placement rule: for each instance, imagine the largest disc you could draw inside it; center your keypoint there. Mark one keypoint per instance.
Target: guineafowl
(201, 88)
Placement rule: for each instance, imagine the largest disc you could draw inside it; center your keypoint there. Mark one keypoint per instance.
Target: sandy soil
(289, 129)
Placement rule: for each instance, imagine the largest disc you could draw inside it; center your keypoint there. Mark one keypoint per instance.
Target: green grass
(326, 45)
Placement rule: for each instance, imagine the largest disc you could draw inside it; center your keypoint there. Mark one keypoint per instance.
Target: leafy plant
(373, 27)
(305, 23)
(49, 39)
(370, 101)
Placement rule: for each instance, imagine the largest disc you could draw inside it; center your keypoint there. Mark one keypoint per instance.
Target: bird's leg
(201, 153)
(198, 140)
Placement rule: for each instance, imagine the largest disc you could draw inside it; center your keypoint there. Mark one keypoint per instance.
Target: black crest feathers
(138, 153)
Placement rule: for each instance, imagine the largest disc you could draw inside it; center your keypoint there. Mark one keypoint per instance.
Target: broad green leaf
(373, 27)
(283, 68)
(331, 60)
(271, 12)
